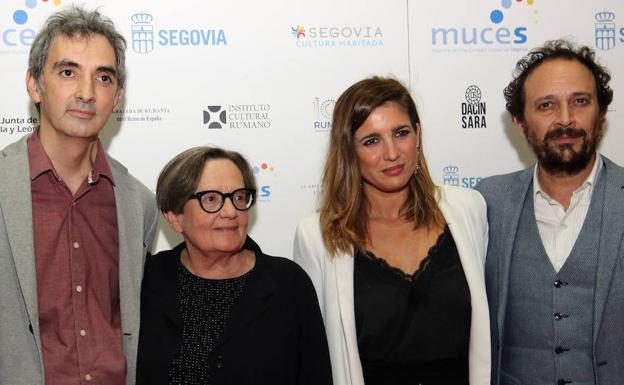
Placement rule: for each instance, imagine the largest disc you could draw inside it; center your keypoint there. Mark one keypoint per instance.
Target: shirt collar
(588, 183)
(40, 163)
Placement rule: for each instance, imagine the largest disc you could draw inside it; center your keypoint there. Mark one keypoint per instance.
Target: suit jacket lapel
(131, 247)
(16, 202)
(254, 300)
(162, 283)
(513, 201)
(610, 239)
(344, 285)
(451, 215)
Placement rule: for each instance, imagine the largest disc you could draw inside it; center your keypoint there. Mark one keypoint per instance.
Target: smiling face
(213, 234)
(77, 90)
(562, 120)
(386, 146)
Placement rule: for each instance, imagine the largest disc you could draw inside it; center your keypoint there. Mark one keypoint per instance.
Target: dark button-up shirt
(77, 267)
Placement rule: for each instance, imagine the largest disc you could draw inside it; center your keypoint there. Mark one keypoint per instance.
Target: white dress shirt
(558, 227)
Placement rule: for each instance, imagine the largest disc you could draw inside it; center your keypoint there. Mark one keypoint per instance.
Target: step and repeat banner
(262, 78)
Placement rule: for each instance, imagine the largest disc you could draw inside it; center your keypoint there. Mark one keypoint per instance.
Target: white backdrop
(261, 77)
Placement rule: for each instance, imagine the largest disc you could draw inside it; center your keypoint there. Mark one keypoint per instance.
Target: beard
(563, 159)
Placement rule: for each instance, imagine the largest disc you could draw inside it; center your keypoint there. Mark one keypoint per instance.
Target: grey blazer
(504, 195)
(20, 344)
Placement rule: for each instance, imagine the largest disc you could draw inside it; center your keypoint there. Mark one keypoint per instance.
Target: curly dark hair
(556, 49)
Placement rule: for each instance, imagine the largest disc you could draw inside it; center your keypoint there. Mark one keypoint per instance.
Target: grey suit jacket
(504, 195)
(20, 343)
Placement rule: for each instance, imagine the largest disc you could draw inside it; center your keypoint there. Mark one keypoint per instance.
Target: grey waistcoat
(549, 317)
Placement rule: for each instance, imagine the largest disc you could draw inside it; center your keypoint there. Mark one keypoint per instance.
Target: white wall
(277, 89)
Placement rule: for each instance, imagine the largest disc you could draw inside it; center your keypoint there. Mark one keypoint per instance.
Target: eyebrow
(69, 63)
(376, 135)
(65, 63)
(552, 96)
(403, 126)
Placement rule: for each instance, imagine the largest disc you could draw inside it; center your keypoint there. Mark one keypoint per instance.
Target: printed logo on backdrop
(493, 35)
(266, 177)
(15, 32)
(314, 188)
(311, 189)
(18, 125)
(323, 111)
(606, 31)
(451, 177)
(215, 116)
(237, 116)
(146, 114)
(145, 37)
(473, 109)
(337, 36)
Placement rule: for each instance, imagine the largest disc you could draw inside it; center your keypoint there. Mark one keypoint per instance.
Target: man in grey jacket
(554, 273)
(74, 225)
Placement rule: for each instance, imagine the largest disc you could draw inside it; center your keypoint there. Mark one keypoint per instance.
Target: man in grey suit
(555, 261)
(74, 225)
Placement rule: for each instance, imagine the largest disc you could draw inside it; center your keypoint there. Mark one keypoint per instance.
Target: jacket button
(558, 283)
(559, 316)
(560, 350)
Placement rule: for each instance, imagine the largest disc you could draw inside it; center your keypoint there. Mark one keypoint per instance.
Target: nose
(390, 150)
(85, 91)
(565, 117)
(228, 210)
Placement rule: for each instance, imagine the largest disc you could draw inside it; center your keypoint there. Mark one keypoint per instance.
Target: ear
(32, 87)
(118, 96)
(519, 123)
(603, 115)
(174, 221)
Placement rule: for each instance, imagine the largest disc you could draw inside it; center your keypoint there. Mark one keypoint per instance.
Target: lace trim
(424, 264)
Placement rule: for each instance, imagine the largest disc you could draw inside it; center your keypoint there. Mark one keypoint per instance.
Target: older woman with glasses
(216, 309)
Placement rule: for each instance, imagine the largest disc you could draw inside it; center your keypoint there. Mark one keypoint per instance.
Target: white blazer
(465, 213)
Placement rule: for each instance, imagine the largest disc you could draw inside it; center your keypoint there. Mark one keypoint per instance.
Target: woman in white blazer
(396, 261)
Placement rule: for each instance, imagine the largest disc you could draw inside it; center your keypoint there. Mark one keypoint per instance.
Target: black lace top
(413, 329)
(205, 306)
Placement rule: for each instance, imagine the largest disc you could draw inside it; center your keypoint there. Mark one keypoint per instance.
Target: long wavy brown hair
(344, 207)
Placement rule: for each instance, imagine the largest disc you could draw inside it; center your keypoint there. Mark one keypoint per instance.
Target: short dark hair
(180, 177)
(556, 49)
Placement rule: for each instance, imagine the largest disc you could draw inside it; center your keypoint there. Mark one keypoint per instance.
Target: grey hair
(71, 22)
(180, 177)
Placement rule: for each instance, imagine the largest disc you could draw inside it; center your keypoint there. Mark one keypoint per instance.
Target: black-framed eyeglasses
(212, 201)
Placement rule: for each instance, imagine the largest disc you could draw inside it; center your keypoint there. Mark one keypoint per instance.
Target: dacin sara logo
(145, 37)
(215, 116)
(451, 177)
(18, 34)
(337, 36)
(323, 112)
(606, 32)
(264, 171)
(490, 37)
(473, 109)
